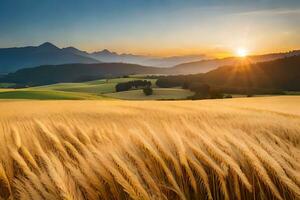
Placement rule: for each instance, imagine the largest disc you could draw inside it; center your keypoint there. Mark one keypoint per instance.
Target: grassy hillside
(214, 149)
(281, 74)
(158, 93)
(76, 91)
(245, 77)
(50, 74)
(7, 85)
(100, 86)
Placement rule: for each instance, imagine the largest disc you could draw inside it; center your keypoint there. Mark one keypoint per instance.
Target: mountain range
(108, 56)
(12, 59)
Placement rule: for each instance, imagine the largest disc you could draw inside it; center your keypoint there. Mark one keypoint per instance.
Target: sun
(241, 52)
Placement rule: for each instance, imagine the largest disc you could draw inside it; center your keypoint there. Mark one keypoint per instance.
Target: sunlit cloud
(271, 12)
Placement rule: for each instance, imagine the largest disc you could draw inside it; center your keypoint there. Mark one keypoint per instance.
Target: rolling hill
(75, 91)
(204, 66)
(49, 74)
(12, 59)
(279, 74)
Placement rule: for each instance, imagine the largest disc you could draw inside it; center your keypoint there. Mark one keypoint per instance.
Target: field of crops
(246, 148)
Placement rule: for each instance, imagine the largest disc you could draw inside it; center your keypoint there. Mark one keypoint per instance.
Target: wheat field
(215, 149)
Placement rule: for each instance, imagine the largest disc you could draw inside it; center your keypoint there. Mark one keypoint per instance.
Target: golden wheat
(216, 149)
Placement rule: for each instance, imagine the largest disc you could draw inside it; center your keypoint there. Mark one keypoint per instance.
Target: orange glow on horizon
(208, 52)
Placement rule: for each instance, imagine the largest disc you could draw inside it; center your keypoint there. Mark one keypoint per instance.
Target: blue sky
(155, 27)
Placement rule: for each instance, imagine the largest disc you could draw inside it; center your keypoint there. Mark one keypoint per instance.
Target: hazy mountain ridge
(208, 65)
(108, 56)
(12, 59)
(76, 51)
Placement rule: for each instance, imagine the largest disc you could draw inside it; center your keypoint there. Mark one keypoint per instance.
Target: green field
(6, 85)
(158, 94)
(98, 87)
(76, 91)
(45, 95)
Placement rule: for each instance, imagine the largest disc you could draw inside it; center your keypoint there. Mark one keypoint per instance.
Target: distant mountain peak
(48, 45)
(13, 59)
(105, 51)
(71, 48)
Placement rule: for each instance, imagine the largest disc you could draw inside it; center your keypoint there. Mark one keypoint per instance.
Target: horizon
(206, 57)
(156, 28)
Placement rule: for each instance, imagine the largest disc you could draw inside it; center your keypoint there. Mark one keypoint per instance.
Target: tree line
(203, 90)
(135, 84)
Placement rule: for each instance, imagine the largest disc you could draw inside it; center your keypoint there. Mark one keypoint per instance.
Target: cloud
(270, 12)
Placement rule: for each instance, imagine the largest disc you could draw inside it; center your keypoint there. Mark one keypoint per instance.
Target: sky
(154, 27)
